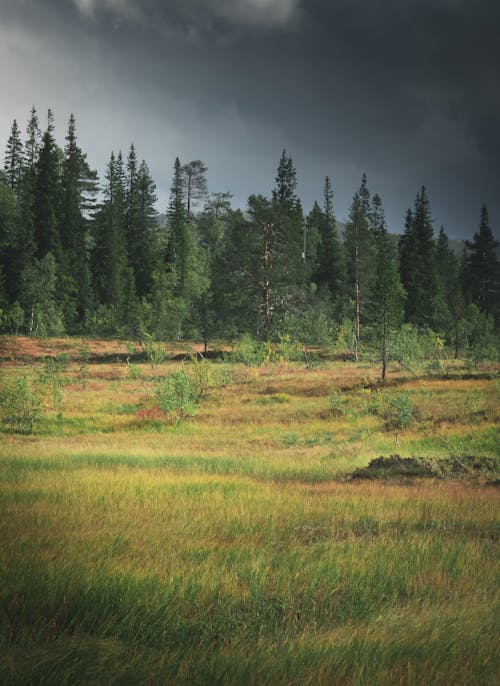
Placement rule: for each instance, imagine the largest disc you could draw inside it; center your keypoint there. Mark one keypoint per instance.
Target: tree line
(82, 257)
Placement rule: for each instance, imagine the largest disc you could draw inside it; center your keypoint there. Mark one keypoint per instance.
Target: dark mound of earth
(454, 467)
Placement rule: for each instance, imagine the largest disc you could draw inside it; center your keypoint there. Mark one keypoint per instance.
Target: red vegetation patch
(150, 413)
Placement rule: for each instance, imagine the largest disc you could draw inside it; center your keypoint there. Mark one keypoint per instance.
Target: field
(235, 547)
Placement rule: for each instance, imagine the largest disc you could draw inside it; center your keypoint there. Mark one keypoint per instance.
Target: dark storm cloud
(404, 89)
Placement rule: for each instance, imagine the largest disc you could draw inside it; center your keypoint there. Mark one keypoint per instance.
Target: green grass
(231, 549)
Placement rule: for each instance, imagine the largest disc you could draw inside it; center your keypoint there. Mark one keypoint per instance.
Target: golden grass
(229, 549)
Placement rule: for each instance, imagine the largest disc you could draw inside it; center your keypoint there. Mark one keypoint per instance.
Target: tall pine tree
(482, 272)
(417, 252)
(79, 188)
(360, 256)
(386, 306)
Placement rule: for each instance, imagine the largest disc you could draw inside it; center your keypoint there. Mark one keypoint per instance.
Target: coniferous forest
(89, 256)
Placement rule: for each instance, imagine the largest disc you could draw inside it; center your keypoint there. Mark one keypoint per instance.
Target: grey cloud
(405, 90)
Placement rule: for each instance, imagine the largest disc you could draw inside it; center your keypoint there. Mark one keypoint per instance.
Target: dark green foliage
(330, 269)
(47, 194)
(360, 253)
(13, 164)
(386, 307)
(79, 187)
(117, 268)
(176, 223)
(38, 289)
(417, 252)
(483, 269)
(140, 223)
(113, 279)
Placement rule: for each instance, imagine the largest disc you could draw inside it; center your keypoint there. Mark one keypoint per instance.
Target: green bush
(21, 406)
(177, 396)
(154, 350)
(205, 376)
(248, 351)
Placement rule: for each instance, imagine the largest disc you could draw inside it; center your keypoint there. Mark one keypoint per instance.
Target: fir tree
(143, 237)
(13, 164)
(110, 251)
(47, 194)
(386, 307)
(33, 140)
(329, 272)
(290, 263)
(418, 263)
(177, 225)
(482, 273)
(360, 256)
(79, 187)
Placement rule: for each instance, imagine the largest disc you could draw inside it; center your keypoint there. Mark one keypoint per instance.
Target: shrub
(21, 406)
(177, 396)
(399, 412)
(154, 350)
(338, 403)
(248, 351)
(205, 376)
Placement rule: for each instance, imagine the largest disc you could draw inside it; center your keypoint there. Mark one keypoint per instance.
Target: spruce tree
(290, 264)
(482, 273)
(111, 272)
(418, 263)
(447, 268)
(329, 272)
(360, 256)
(10, 248)
(13, 164)
(177, 221)
(33, 140)
(143, 237)
(386, 306)
(47, 194)
(27, 190)
(140, 222)
(79, 187)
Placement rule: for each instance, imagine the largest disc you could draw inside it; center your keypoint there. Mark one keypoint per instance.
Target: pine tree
(110, 251)
(482, 275)
(27, 191)
(330, 268)
(194, 183)
(13, 164)
(177, 222)
(33, 140)
(290, 264)
(10, 248)
(447, 269)
(360, 256)
(79, 187)
(47, 194)
(418, 263)
(142, 230)
(386, 306)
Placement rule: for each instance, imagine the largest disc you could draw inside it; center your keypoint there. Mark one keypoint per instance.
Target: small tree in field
(177, 396)
(21, 406)
(388, 293)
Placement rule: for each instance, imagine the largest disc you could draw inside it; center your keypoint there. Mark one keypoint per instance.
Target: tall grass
(228, 549)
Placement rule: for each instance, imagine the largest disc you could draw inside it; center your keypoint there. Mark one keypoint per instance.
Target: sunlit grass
(231, 549)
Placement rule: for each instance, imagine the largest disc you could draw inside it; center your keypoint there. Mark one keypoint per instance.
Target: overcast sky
(407, 91)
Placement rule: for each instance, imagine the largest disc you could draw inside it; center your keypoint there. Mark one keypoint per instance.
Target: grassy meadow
(235, 547)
